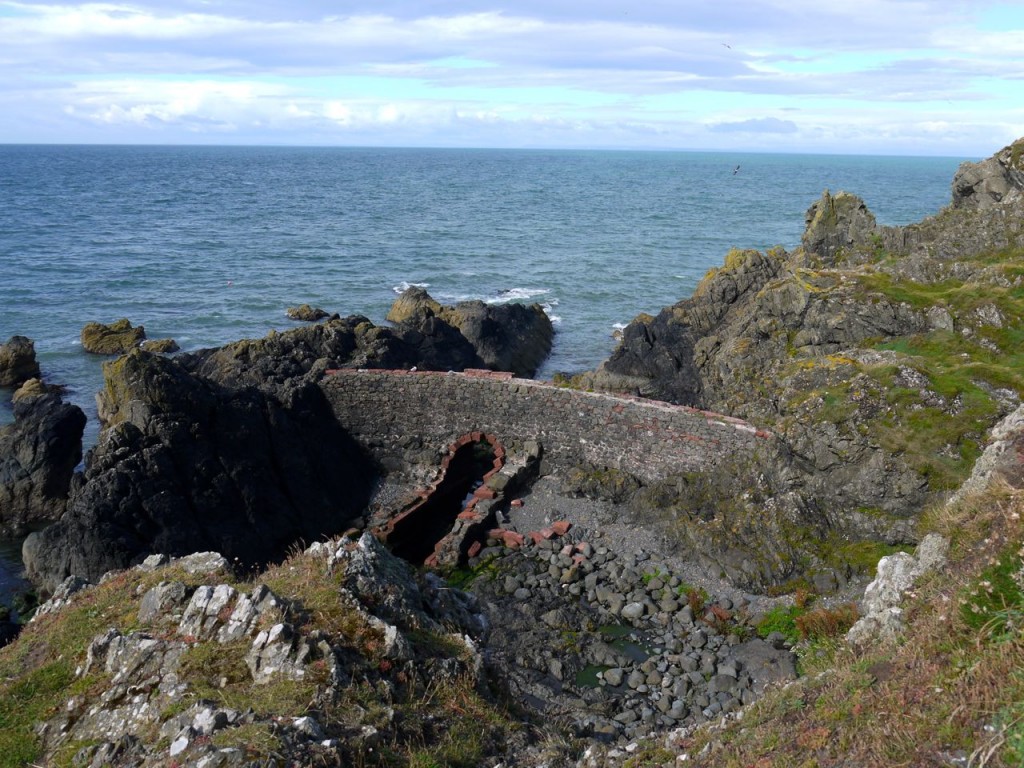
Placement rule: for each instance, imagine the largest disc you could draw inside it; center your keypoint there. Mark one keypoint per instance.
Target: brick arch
(419, 531)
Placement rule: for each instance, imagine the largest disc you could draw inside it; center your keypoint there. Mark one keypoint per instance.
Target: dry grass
(946, 694)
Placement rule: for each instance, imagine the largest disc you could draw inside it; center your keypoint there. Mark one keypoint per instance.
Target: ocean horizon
(210, 244)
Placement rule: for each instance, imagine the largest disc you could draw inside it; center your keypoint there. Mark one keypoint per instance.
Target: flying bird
(735, 170)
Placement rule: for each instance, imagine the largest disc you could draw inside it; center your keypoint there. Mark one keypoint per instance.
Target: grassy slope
(951, 688)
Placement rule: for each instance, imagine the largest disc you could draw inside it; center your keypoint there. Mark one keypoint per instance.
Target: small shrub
(823, 623)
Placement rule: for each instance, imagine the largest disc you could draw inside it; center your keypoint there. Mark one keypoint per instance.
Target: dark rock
(504, 337)
(114, 339)
(17, 361)
(161, 346)
(306, 313)
(38, 455)
(188, 465)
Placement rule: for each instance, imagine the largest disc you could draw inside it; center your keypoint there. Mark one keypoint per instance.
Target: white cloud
(394, 71)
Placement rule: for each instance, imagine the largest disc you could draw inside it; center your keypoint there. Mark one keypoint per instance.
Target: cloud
(394, 71)
(756, 125)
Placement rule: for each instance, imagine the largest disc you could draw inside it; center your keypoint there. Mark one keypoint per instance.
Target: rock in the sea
(505, 337)
(189, 465)
(161, 346)
(17, 361)
(113, 339)
(306, 313)
(38, 455)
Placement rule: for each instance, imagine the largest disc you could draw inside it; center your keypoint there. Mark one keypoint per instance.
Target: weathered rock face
(113, 339)
(999, 179)
(504, 337)
(38, 454)
(658, 357)
(189, 465)
(836, 224)
(161, 346)
(843, 349)
(17, 361)
(306, 313)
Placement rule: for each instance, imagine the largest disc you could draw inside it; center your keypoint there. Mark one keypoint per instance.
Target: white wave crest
(404, 286)
(517, 294)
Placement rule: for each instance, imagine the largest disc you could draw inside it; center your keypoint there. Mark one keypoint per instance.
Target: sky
(896, 77)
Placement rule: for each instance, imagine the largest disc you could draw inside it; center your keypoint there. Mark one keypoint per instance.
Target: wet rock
(503, 337)
(306, 313)
(113, 339)
(161, 346)
(17, 361)
(38, 455)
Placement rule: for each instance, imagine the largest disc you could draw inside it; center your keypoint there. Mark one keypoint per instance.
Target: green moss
(781, 619)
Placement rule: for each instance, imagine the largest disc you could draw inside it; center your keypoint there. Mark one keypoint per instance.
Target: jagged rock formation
(504, 337)
(17, 361)
(38, 454)
(113, 339)
(306, 313)
(187, 464)
(879, 356)
(160, 346)
(233, 449)
(999, 179)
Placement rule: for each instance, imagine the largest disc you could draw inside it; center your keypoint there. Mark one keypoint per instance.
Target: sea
(208, 245)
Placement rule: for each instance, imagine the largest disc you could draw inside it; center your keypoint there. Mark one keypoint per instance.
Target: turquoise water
(208, 245)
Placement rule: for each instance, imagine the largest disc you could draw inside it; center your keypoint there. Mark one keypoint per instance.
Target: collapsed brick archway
(419, 530)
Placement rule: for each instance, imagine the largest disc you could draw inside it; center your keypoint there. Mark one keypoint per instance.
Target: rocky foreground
(607, 621)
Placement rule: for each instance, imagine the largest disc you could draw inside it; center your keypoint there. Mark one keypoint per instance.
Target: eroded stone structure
(399, 416)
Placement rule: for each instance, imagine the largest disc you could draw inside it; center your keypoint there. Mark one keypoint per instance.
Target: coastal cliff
(610, 613)
(879, 356)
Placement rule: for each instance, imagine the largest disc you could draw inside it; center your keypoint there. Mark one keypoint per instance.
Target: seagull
(735, 170)
(727, 46)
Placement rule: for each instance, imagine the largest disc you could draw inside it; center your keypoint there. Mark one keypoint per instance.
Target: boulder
(161, 346)
(38, 455)
(306, 313)
(114, 339)
(503, 337)
(998, 179)
(17, 361)
(837, 224)
(188, 465)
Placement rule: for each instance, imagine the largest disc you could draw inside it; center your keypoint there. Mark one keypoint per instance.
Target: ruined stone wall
(390, 412)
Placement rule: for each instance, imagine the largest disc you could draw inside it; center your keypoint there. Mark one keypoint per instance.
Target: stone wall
(391, 412)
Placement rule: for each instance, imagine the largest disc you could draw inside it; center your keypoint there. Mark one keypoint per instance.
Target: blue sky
(935, 77)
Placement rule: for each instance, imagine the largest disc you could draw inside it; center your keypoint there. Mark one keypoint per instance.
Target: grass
(952, 689)
(434, 715)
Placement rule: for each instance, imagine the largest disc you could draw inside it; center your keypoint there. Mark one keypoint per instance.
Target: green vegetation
(954, 687)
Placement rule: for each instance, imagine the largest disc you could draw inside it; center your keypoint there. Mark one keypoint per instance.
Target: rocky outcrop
(113, 339)
(846, 350)
(38, 455)
(187, 465)
(504, 337)
(17, 361)
(991, 182)
(881, 614)
(836, 226)
(306, 313)
(161, 346)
